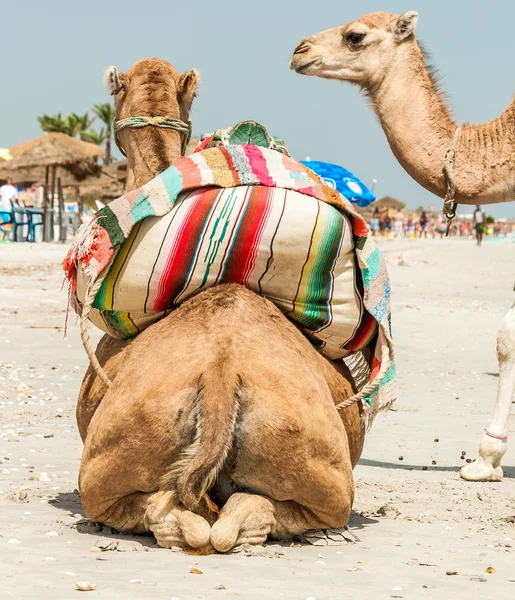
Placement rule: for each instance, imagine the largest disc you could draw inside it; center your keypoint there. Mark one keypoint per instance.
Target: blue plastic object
(342, 180)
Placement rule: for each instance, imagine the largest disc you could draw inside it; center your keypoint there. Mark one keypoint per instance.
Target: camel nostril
(302, 48)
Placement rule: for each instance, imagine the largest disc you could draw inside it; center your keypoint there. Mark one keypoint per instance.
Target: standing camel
(223, 403)
(380, 53)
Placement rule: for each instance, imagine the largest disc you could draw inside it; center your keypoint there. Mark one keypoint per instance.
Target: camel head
(360, 52)
(151, 88)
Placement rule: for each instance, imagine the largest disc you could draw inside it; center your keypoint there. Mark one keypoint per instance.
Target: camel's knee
(93, 503)
(337, 512)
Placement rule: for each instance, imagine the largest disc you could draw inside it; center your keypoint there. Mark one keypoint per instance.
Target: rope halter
(164, 122)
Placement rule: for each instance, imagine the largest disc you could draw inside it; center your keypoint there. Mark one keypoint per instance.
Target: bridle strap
(163, 122)
(450, 205)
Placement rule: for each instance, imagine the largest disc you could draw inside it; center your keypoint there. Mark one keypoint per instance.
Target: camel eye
(355, 38)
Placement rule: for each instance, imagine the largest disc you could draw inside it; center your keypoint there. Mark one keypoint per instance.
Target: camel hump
(215, 411)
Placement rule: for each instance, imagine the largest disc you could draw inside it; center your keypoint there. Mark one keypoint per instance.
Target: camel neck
(416, 121)
(420, 129)
(150, 151)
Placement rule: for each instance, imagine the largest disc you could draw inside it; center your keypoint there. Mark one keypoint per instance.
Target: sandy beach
(417, 530)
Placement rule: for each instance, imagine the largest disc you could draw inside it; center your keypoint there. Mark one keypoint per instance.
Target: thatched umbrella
(51, 151)
(4, 170)
(388, 202)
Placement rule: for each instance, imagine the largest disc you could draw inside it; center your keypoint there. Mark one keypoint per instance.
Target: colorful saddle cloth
(244, 214)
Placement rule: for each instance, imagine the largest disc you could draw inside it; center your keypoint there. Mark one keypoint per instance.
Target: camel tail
(216, 409)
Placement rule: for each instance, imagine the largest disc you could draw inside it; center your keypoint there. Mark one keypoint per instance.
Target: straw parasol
(51, 151)
(388, 202)
(4, 169)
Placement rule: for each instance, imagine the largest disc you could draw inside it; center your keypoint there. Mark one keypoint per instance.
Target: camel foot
(179, 527)
(245, 519)
(481, 470)
(488, 466)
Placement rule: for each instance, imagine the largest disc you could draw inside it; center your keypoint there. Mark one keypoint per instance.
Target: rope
(163, 122)
(386, 359)
(91, 292)
(450, 205)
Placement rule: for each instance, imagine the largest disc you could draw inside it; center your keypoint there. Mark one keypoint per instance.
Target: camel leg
(141, 512)
(123, 465)
(173, 525)
(318, 494)
(494, 444)
(250, 519)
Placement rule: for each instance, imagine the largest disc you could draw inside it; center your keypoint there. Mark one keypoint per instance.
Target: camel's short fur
(221, 405)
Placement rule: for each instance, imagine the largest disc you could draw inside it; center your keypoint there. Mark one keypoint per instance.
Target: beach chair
(20, 222)
(5, 219)
(35, 219)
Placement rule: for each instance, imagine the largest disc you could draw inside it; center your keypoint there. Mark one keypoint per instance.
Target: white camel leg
(495, 441)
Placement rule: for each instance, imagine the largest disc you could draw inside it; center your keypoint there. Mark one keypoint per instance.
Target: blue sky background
(54, 53)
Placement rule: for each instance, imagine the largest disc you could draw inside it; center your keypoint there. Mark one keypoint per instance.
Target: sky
(54, 54)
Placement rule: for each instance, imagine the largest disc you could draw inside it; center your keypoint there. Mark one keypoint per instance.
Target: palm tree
(72, 125)
(94, 137)
(78, 124)
(52, 123)
(105, 112)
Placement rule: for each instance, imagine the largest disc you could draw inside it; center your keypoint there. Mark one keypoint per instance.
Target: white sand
(414, 526)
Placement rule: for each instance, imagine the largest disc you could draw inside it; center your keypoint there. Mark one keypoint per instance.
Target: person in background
(479, 222)
(8, 193)
(374, 223)
(423, 224)
(410, 228)
(399, 224)
(387, 224)
(416, 222)
(441, 227)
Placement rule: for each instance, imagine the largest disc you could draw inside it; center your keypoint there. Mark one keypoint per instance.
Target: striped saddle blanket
(240, 214)
(293, 249)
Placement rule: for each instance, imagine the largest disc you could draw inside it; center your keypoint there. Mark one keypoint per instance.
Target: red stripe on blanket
(191, 177)
(243, 252)
(364, 333)
(181, 255)
(258, 165)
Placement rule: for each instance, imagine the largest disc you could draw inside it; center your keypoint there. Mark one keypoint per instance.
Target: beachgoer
(8, 193)
(442, 227)
(399, 224)
(387, 224)
(479, 222)
(423, 224)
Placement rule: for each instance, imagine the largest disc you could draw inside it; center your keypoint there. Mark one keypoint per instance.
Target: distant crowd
(430, 225)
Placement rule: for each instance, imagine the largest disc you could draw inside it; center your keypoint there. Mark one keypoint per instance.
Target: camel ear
(115, 81)
(187, 89)
(405, 25)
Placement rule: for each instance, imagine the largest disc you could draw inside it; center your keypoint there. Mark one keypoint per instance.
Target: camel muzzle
(299, 61)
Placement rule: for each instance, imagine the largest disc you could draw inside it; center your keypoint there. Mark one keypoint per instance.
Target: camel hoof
(183, 529)
(245, 519)
(480, 470)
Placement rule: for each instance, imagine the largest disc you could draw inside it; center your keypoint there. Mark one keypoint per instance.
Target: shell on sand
(85, 586)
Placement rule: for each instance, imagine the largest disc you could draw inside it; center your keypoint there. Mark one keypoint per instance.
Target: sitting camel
(219, 426)
(468, 164)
